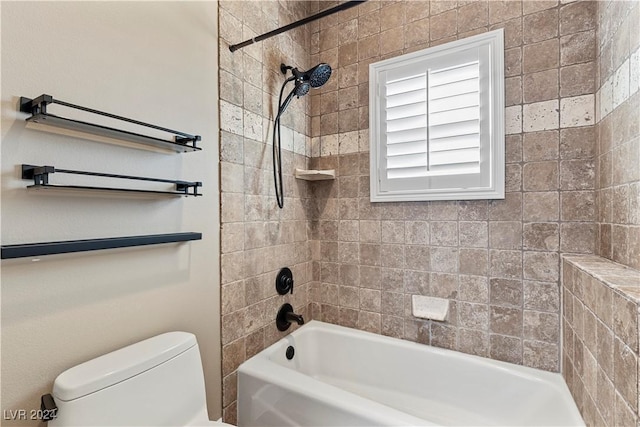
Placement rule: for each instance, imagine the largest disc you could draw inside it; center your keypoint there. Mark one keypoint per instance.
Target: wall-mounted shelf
(315, 175)
(182, 142)
(68, 246)
(40, 176)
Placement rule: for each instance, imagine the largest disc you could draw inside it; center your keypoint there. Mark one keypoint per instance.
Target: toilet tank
(155, 382)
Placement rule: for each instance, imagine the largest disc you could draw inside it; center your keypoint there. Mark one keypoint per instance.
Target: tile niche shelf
(316, 175)
(37, 107)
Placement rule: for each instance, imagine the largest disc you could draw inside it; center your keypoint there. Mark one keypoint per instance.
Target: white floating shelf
(315, 175)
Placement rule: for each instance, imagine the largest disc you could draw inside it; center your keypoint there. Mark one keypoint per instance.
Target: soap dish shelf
(315, 175)
(182, 142)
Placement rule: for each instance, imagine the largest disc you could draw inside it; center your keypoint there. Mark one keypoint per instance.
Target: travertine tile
(577, 111)
(621, 84)
(437, 6)
(578, 237)
(577, 17)
(369, 322)
(578, 79)
(473, 15)
(539, 146)
(507, 293)
(540, 26)
(473, 316)
(473, 341)
(416, 232)
(541, 266)
(626, 373)
(505, 234)
(531, 6)
(577, 48)
(444, 259)
(417, 32)
(541, 236)
(541, 56)
(541, 206)
(577, 143)
(540, 116)
(444, 25)
(473, 261)
(473, 234)
(505, 348)
(392, 40)
(394, 15)
(505, 264)
(541, 86)
(578, 206)
(513, 120)
(444, 233)
(541, 326)
(512, 62)
(540, 355)
(540, 176)
(500, 11)
(474, 289)
(577, 174)
(505, 321)
(541, 296)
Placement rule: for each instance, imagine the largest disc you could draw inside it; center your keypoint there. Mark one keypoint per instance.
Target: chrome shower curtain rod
(331, 11)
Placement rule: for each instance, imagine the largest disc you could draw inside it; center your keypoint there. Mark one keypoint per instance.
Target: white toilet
(156, 382)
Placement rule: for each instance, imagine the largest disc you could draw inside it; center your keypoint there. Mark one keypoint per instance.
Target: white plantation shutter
(436, 122)
(406, 127)
(454, 119)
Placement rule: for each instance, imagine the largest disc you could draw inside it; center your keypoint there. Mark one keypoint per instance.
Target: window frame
(494, 40)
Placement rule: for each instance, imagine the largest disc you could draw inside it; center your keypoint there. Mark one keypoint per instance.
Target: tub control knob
(284, 281)
(286, 316)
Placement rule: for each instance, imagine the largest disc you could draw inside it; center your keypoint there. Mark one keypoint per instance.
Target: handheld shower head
(315, 77)
(301, 89)
(319, 75)
(304, 81)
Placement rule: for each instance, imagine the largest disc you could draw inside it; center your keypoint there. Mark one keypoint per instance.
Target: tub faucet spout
(292, 317)
(286, 316)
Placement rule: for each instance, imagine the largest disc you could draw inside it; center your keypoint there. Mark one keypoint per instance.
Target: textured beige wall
(153, 61)
(497, 261)
(618, 117)
(258, 238)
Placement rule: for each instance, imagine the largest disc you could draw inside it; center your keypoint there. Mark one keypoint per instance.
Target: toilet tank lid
(117, 366)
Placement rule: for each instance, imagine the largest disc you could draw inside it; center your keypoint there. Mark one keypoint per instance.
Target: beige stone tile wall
(257, 237)
(497, 261)
(572, 187)
(600, 339)
(600, 298)
(618, 131)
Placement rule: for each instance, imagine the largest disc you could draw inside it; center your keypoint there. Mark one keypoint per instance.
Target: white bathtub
(344, 377)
